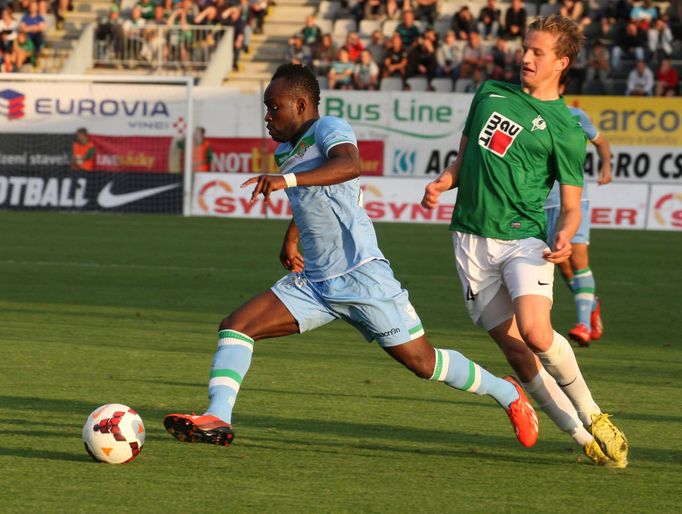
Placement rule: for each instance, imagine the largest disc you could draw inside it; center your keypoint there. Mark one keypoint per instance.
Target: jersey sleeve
(588, 127)
(331, 131)
(569, 155)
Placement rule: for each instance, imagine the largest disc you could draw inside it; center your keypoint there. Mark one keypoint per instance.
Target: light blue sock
(583, 294)
(230, 364)
(458, 372)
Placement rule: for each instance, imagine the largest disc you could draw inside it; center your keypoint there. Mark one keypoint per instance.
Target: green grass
(97, 309)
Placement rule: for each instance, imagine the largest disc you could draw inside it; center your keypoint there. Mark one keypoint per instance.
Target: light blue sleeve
(331, 131)
(590, 130)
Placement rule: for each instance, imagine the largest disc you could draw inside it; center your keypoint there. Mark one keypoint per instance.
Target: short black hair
(301, 79)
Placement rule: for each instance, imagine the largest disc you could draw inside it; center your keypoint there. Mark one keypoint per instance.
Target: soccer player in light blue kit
(576, 271)
(344, 275)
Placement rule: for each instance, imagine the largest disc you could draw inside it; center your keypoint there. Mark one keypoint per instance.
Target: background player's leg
(261, 317)
(583, 283)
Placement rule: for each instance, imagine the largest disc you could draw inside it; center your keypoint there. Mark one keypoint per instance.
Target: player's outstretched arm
(568, 224)
(604, 153)
(448, 179)
(343, 164)
(289, 256)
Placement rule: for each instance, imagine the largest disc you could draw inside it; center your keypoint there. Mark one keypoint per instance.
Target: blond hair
(569, 37)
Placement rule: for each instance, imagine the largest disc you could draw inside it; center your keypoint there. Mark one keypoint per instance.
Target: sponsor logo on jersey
(538, 124)
(498, 134)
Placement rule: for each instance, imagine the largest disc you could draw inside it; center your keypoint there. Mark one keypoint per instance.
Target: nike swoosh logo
(543, 283)
(109, 200)
(495, 95)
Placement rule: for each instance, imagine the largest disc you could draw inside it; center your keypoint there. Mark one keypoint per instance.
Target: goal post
(97, 143)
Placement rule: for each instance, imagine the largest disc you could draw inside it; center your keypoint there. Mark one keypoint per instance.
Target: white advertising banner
(618, 205)
(665, 208)
(385, 199)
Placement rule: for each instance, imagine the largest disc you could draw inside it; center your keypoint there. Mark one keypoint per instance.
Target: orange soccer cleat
(596, 321)
(580, 334)
(522, 416)
(199, 429)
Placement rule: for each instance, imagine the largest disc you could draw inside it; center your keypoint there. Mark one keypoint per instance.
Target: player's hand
(265, 184)
(432, 192)
(561, 250)
(605, 175)
(290, 257)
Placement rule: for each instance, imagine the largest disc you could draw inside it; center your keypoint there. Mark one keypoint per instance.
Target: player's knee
(420, 366)
(539, 339)
(232, 322)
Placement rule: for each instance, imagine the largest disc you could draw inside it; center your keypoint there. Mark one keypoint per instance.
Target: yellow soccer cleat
(610, 439)
(593, 452)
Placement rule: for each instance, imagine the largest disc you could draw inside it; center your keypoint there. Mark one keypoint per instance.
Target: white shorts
(486, 265)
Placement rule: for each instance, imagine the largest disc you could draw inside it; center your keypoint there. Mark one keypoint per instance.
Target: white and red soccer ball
(113, 433)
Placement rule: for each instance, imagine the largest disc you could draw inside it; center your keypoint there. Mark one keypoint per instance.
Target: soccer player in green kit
(516, 142)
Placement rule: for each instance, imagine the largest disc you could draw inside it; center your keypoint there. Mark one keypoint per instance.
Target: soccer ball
(113, 433)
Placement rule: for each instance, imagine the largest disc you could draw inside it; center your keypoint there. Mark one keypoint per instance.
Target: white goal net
(96, 143)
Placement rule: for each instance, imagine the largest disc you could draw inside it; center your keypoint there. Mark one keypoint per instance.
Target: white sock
(560, 362)
(554, 402)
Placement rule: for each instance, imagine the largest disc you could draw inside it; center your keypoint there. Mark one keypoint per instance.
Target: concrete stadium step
(293, 13)
(269, 48)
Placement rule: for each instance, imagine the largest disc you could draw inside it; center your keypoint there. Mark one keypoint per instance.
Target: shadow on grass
(41, 453)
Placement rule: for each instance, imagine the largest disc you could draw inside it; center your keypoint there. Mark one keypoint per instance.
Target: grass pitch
(98, 309)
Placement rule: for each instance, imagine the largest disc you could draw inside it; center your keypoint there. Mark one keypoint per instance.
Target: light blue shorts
(582, 236)
(369, 298)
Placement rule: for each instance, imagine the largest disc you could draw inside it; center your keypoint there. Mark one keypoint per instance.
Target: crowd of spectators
(630, 46)
(22, 30)
(159, 32)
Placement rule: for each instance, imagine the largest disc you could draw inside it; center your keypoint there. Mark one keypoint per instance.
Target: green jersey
(518, 146)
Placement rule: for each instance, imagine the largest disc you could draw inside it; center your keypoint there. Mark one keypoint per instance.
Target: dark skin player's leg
(262, 317)
(417, 355)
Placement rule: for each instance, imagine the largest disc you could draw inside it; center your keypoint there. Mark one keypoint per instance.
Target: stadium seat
(623, 69)
(368, 26)
(462, 84)
(391, 84)
(418, 83)
(388, 27)
(328, 9)
(322, 80)
(441, 27)
(447, 9)
(549, 9)
(442, 85)
(592, 32)
(616, 87)
(325, 25)
(531, 9)
(594, 87)
(343, 26)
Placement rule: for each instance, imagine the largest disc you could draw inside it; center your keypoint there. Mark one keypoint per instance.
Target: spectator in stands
(258, 10)
(630, 45)
(421, 59)
(33, 24)
(463, 23)
(667, 79)
(515, 20)
(449, 56)
(573, 9)
(393, 10)
(180, 38)
(377, 46)
(340, 74)
(161, 15)
(660, 39)
(297, 52)
(371, 10)
(82, 152)
(324, 54)
(489, 20)
(232, 17)
(407, 29)
(147, 8)
(311, 33)
(473, 56)
(476, 80)
(598, 67)
(615, 10)
(9, 27)
(109, 32)
(354, 46)
(395, 61)
(133, 30)
(426, 10)
(366, 73)
(640, 80)
(644, 14)
(500, 59)
(512, 72)
(23, 51)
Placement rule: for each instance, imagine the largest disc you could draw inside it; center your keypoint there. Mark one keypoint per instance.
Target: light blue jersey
(336, 234)
(591, 132)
